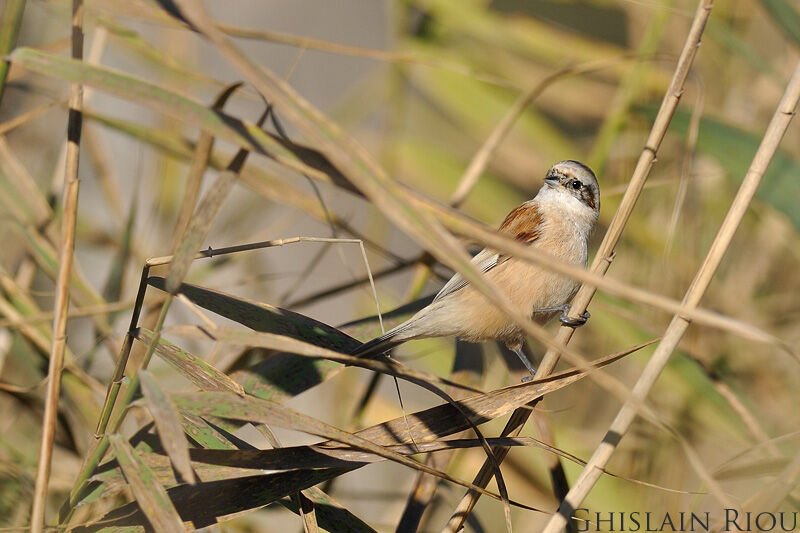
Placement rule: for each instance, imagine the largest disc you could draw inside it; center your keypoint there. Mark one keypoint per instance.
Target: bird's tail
(378, 345)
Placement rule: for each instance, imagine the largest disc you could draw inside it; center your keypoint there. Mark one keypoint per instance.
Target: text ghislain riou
(646, 521)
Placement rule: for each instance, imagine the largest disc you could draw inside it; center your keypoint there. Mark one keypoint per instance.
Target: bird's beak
(552, 181)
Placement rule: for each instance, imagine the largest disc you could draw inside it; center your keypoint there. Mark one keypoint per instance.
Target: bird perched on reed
(559, 221)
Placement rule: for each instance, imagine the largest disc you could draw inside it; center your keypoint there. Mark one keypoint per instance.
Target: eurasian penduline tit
(559, 221)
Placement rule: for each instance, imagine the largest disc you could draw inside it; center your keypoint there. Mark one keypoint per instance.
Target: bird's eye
(576, 184)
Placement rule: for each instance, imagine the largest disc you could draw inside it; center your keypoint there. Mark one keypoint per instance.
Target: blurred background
(421, 84)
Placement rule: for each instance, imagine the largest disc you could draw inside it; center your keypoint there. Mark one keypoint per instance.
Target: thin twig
(605, 254)
(27, 116)
(59, 341)
(672, 336)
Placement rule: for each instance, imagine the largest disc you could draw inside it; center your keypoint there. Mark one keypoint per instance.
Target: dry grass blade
(332, 515)
(151, 496)
(389, 366)
(264, 317)
(284, 344)
(209, 503)
(32, 201)
(216, 464)
(200, 159)
(440, 421)
(775, 493)
(68, 223)
(335, 456)
(605, 253)
(204, 216)
(284, 375)
(228, 463)
(241, 132)
(168, 424)
(202, 374)
(625, 417)
(307, 512)
(9, 31)
(249, 409)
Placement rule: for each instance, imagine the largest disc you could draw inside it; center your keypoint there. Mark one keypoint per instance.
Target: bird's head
(576, 180)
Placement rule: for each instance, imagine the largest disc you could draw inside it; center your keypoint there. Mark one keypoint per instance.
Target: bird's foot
(570, 322)
(527, 363)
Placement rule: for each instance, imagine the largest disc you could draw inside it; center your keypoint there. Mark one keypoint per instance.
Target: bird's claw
(528, 378)
(570, 322)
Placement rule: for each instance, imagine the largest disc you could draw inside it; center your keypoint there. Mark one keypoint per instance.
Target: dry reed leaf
(199, 164)
(332, 515)
(151, 496)
(264, 317)
(251, 409)
(204, 216)
(209, 503)
(240, 132)
(168, 424)
(202, 374)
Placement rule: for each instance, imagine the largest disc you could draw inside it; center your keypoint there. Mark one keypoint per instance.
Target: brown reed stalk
(672, 336)
(605, 254)
(61, 306)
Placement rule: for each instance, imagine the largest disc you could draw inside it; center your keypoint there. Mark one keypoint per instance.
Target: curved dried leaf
(168, 423)
(264, 317)
(241, 132)
(281, 343)
(443, 420)
(249, 409)
(205, 504)
(199, 163)
(280, 376)
(150, 495)
(205, 214)
(332, 516)
(202, 374)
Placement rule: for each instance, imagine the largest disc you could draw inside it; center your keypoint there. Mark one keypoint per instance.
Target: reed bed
(263, 188)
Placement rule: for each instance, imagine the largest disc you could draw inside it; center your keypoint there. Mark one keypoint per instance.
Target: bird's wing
(484, 261)
(523, 223)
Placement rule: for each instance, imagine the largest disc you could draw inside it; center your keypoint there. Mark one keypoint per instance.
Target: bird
(559, 220)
